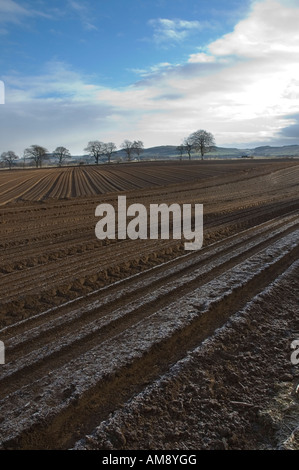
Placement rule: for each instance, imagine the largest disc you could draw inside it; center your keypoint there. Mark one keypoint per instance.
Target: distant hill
(165, 152)
(285, 151)
(170, 151)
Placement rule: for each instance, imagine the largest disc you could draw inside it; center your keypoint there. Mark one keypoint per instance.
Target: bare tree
(138, 147)
(202, 141)
(131, 148)
(9, 158)
(110, 148)
(181, 150)
(188, 146)
(36, 153)
(95, 149)
(61, 153)
(128, 148)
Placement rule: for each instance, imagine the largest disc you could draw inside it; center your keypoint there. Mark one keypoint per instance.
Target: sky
(152, 70)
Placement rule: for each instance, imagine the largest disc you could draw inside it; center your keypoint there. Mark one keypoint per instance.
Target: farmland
(66, 183)
(111, 343)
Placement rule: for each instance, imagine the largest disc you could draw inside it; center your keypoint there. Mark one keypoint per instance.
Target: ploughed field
(138, 344)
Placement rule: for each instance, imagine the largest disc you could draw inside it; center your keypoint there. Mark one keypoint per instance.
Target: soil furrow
(195, 268)
(64, 265)
(185, 323)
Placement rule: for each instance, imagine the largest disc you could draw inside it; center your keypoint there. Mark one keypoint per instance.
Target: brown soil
(140, 344)
(237, 390)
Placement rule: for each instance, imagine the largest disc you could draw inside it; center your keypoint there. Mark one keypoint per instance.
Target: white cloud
(245, 81)
(57, 81)
(271, 28)
(82, 10)
(59, 107)
(9, 10)
(201, 57)
(172, 31)
(154, 69)
(12, 12)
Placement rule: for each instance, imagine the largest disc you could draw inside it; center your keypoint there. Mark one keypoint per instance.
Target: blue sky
(151, 70)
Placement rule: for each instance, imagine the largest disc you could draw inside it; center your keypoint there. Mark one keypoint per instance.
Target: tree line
(199, 141)
(95, 149)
